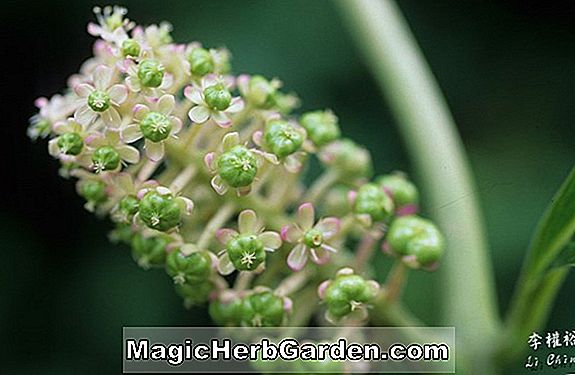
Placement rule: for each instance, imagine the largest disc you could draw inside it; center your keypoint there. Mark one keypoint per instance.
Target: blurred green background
(506, 68)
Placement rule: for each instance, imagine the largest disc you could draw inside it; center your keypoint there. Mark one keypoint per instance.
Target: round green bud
(400, 188)
(282, 138)
(160, 212)
(122, 233)
(349, 158)
(263, 309)
(226, 313)
(313, 238)
(150, 73)
(261, 92)
(106, 158)
(129, 205)
(70, 143)
(131, 48)
(99, 101)
(195, 294)
(336, 201)
(413, 235)
(149, 251)
(155, 126)
(193, 268)
(94, 191)
(217, 97)
(321, 126)
(201, 62)
(346, 293)
(246, 252)
(373, 201)
(238, 166)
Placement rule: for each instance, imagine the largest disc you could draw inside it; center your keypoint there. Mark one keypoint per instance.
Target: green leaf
(567, 256)
(554, 231)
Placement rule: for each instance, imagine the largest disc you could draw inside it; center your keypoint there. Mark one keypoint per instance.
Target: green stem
(224, 213)
(435, 147)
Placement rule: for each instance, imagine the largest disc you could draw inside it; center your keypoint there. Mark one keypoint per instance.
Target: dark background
(506, 68)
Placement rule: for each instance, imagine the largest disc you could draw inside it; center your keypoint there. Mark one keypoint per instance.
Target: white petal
(118, 94)
(140, 111)
(53, 148)
(102, 77)
(176, 125)
(225, 265)
(236, 106)
(83, 90)
(270, 240)
(328, 226)
(221, 119)
(291, 233)
(305, 216)
(84, 115)
(133, 84)
(131, 133)
(194, 94)
(224, 235)
(219, 186)
(230, 140)
(154, 150)
(199, 114)
(297, 257)
(166, 104)
(248, 222)
(111, 117)
(129, 153)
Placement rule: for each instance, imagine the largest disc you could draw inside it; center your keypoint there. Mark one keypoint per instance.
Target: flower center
(217, 97)
(155, 126)
(313, 238)
(98, 101)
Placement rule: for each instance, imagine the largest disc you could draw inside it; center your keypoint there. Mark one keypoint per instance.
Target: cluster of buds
(201, 172)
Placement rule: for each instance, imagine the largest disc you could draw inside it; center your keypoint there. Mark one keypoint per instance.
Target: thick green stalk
(435, 147)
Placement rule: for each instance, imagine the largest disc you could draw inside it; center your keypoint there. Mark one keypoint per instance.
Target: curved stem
(435, 147)
(224, 213)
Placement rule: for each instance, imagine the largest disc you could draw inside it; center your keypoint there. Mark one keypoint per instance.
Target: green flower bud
(70, 143)
(123, 233)
(105, 158)
(160, 212)
(347, 293)
(282, 138)
(39, 128)
(195, 294)
(201, 62)
(246, 252)
(336, 202)
(99, 101)
(261, 92)
(149, 251)
(373, 201)
(313, 238)
(226, 313)
(194, 268)
(217, 97)
(350, 159)
(129, 205)
(263, 309)
(238, 166)
(155, 126)
(321, 126)
(94, 191)
(418, 237)
(150, 73)
(131, 48)
(400, 188)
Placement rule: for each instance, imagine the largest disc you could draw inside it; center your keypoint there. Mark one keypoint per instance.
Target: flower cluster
(202, 173)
